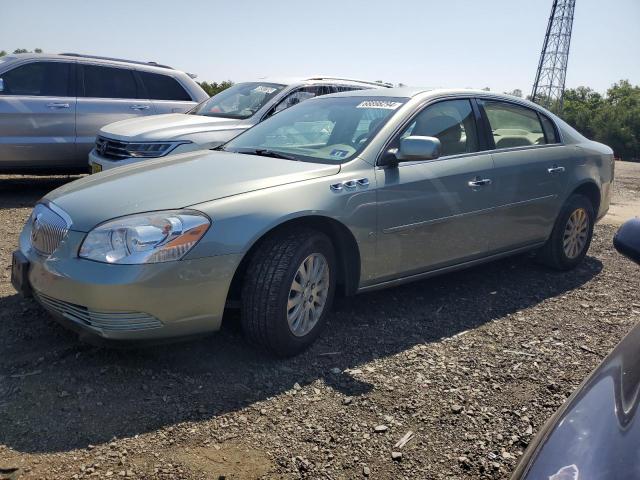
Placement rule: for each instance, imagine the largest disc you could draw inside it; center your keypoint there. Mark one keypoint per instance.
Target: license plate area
(20, 274)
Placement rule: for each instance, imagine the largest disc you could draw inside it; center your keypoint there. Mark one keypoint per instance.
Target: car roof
(319, 79)
(152, 66)
(410, 92)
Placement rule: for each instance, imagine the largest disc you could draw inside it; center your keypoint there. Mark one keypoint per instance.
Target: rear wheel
(571, 235)
(288, 290)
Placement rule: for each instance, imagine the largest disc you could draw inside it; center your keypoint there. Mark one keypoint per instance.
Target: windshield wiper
(264, 152)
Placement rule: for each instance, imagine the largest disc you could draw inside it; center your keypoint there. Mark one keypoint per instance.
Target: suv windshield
(240, 101)
(323, 130)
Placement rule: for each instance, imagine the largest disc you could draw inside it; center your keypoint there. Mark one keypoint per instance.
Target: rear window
(513, 125)
(43, 79)
(163, 87)
(107, 82)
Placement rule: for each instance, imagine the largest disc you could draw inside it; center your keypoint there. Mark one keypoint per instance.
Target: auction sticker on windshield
(263, 89)
(379, 104)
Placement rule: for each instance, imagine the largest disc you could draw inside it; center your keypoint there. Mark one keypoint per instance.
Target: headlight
(145, 238)
(151, 150)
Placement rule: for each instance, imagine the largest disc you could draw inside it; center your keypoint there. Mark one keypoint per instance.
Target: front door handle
(555, 169)
(139, 107)
(479, 182)
(58, 105)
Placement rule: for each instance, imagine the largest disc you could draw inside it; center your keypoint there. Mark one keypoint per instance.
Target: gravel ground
(472, 363)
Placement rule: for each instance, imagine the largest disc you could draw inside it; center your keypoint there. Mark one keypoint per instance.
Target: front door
(106, 95)
(435, 213)
(531, 172)
(37, 116)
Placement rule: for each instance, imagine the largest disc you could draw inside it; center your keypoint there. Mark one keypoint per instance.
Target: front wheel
(571, 235)
(288, 290)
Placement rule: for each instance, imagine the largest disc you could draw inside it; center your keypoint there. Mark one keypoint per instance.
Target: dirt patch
(626, 194)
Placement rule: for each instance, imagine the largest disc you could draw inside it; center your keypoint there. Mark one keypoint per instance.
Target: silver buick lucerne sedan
(342, 193)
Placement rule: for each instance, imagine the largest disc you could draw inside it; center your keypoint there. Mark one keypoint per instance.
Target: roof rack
(379, 84)
(97, 57)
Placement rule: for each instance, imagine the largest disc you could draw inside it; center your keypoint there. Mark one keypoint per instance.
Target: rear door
(530, 172)
(106, 95)
(167, 93)
(37, 115)
(434, 213)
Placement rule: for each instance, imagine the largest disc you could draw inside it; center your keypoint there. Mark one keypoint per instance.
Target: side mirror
(418, 148)
(627, 240)
(1, 85)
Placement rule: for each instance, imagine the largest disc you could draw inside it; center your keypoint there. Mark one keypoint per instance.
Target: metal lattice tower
(548, 88)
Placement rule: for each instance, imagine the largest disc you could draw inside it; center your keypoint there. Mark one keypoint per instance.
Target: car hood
(176, 182)
(595, 433)
(171, 126)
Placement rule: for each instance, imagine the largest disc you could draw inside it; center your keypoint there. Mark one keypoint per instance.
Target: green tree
(213, 88)
(613, 119)
(2, 53)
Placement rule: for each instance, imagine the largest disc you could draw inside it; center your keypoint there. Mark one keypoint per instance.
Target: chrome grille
(101, 320)
(113, 149)
(48, 229)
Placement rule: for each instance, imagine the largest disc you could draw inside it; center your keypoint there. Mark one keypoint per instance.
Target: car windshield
(324, 130)
(240, 101)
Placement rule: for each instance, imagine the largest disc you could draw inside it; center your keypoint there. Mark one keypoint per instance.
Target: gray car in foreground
(342, 193)
(52, 106)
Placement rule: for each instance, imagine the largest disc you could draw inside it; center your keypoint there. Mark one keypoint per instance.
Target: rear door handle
(479, 182)
(58, 105)
(139, 107)
(555, 169)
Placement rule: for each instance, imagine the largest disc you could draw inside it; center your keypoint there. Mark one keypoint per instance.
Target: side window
(549, 130)
(300, 95)
(346, 88)
(513, 125)
(107, 82)
(42, 79)
(163, 87)
(452, 122)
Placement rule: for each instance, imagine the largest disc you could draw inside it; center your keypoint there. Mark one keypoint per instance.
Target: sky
(443, 43)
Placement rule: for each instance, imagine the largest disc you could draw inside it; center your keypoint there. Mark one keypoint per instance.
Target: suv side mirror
(627, 240)
(418, 148)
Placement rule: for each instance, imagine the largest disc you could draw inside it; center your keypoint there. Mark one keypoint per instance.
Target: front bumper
(130, 302)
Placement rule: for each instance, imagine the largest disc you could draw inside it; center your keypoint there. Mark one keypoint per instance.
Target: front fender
(239, 221)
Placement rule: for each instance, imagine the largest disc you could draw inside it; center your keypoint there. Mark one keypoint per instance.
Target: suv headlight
(151, 150)
(145, 238)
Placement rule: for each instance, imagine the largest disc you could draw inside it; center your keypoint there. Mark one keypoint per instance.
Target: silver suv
(213, 122)
(51, 106)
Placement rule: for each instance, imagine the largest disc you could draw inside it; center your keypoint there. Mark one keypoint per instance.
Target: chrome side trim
(451, 268)
(401, 228)
(410, 226)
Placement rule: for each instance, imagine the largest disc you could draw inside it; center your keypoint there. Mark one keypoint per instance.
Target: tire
(553, 253)
(268, 289)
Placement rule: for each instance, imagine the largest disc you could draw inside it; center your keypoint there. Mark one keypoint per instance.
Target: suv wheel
(288, 290)
(571, 235)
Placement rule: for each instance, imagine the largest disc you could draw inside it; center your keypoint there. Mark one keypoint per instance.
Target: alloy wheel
(576, 233)
(308, 294)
